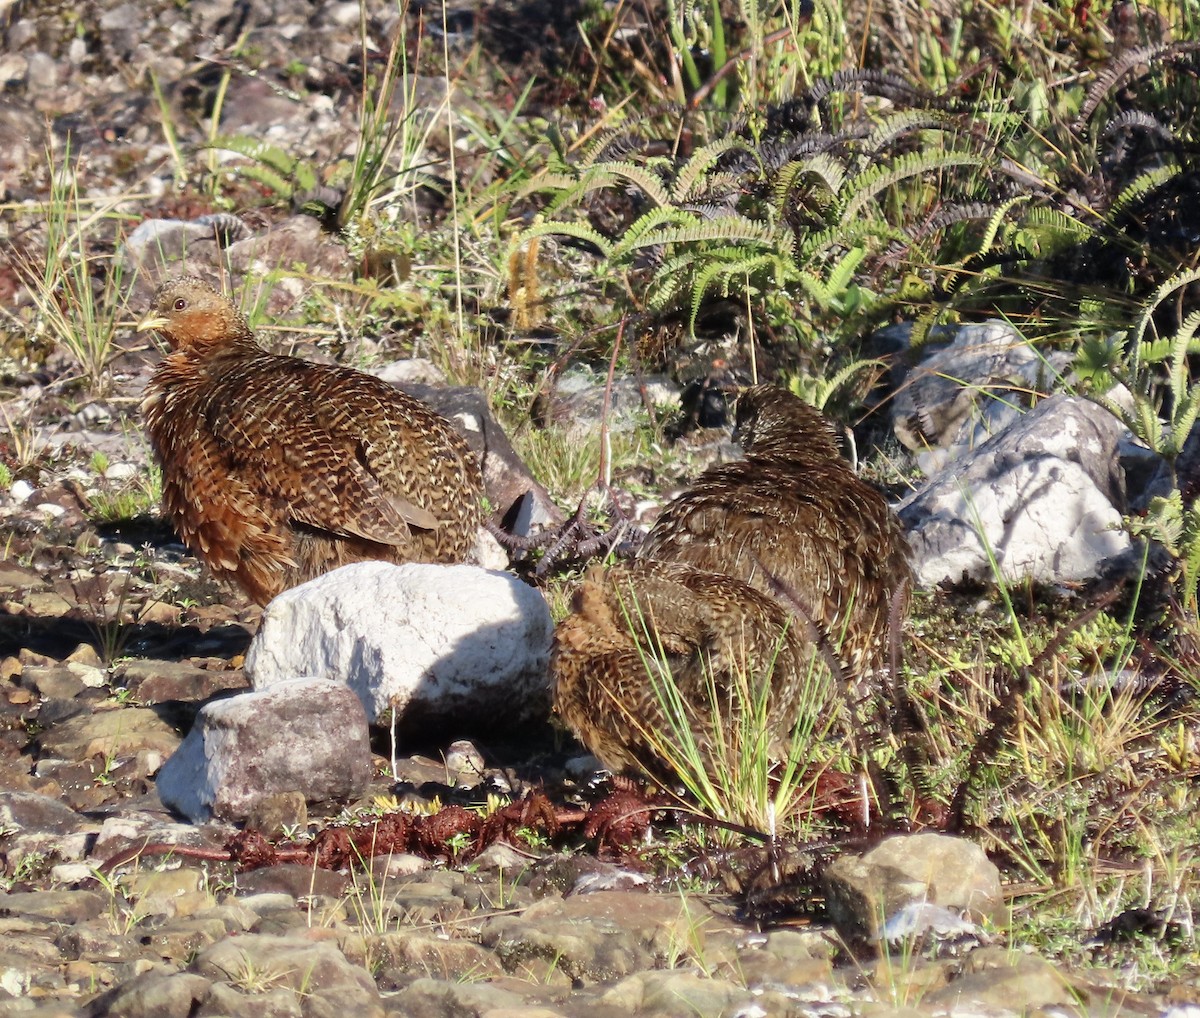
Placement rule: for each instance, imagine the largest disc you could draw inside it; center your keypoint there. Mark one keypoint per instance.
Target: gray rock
(678, 994)
(276, 813)
(28, 811)
(864, 891)
(416, 953)
(444, 646)
(303, 735)
(152, 681)
(317, 974)
(1046, 494)
(157, 244)
(434, 998)
(995, 981)
(110, 734)
(578, 402)
(133, 829)
(299, 240)
(597, 937)
(155, 994)
(37, 825)
(52, 682)
(58, 906)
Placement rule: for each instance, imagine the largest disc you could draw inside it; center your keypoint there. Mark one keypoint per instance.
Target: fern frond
(723, 273)
(829, 170)
(1183, 343)
(952, 214)
(650, 183)
(871, 82)
(718, 198)
(994, 223)
(549, 182)
(264, 175)
(674, 272)
(869, 233)
(825, 291)
(262, 152)
(683, 187)
(1142, 57)
(1139, 119)
(611, 145)
(1142, 185)
(729, 228)
(867, 185)
(904, 122)
(843, 270)
(580, 231)
(655, 219)
(1165, 290)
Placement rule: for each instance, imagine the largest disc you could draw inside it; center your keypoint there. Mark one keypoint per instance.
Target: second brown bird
(774, 574)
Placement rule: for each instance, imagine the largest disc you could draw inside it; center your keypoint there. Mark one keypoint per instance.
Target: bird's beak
(152, 321)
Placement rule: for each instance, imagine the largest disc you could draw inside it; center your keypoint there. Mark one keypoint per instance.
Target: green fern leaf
(993, 223)
(580, 231)
(867, 185)
(1178, 280)
(843, 270)
(259, 151)
(607, 174)
(905, 122)
(727, 228)
(653, 220)
(266, 176)
(1141, 185)
(702, 160)
(828, 170)
(718, 275)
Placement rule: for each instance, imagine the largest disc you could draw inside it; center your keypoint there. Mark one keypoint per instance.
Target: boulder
(966, 391)
(304, 735)
(447, 648)
(1044, 497)
(863, 892)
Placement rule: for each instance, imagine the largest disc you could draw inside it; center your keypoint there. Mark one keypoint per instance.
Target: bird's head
(194, 316)
(771, 420)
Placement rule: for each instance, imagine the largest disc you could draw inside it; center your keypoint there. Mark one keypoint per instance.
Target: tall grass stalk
(376, 182)
(78, 313)
(725, 749)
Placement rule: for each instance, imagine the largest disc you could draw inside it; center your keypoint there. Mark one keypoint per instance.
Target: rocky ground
(112, 638)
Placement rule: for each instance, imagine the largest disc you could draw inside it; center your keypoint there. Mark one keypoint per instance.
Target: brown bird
(276, 469)
(781, 567)
(793, 520)
(643, 632)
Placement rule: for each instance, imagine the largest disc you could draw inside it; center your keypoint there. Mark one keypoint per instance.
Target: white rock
(89, 675)
(20, 490)
(1044, 496)
(449, 647)
(66, 873)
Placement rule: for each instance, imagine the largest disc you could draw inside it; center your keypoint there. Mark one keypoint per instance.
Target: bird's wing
(320, 478)
(800, 531)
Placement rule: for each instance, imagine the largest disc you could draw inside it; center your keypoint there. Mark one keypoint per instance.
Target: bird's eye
(180, 304)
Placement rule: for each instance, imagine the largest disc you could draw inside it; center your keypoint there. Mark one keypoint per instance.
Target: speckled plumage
(793, 513)
(702, 628)
(773, 564)
(276, 469)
